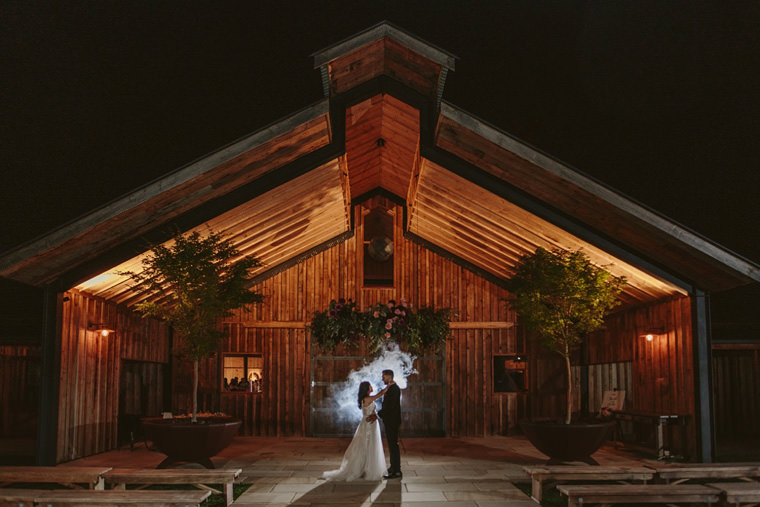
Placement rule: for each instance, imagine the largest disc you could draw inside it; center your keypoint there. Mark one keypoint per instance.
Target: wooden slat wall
(141, 388)
(384, 56)
(663, 369)
(19, 391)
(425, 279)
(736, 387)
(282, 408)
(601, 378)
(91, 367)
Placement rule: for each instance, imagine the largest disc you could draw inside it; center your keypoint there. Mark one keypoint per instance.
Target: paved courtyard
(454, 472)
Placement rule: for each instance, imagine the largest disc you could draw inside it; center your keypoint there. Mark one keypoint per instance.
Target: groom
(391, 416)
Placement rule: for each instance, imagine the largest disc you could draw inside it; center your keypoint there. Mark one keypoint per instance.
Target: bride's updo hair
(364, 388)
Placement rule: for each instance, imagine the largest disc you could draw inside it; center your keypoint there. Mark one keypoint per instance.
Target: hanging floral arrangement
(342, 322)
(381, 324)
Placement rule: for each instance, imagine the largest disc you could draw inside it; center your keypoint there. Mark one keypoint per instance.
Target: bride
(364, 457)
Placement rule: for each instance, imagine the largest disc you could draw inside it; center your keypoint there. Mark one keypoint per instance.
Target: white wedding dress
(364, 458)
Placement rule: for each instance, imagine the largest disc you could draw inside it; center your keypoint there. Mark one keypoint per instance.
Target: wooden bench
(539, 474)
(85, 498)
(638, 493)
(65, 475)
(737, 493)
(119, 478)
(676, 474)
(17, 497)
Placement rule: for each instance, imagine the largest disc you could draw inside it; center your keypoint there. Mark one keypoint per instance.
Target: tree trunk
(195, 391)
(569, 414)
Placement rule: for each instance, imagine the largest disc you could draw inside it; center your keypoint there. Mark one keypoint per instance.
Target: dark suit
(391, 416)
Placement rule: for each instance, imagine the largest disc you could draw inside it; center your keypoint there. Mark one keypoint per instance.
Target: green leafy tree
(190, 285)
(561, 297)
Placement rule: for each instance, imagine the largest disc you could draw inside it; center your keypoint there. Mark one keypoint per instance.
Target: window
(510, 374)
(243, 372)
(378, 248)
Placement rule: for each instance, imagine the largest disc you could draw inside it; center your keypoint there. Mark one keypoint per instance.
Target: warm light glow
(104, 333)
(650, 337)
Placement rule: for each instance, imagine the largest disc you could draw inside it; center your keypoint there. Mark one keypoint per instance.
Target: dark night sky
(657, 99)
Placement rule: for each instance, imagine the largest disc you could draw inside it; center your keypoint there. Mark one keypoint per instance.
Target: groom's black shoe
(393, 475)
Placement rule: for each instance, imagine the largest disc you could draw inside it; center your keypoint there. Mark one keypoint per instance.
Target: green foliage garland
(342, 322)
(382, 323)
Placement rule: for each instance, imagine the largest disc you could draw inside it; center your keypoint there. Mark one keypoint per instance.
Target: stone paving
(454, 472)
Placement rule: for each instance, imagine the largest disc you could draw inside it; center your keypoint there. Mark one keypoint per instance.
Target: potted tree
(191, 284)
(561, 297)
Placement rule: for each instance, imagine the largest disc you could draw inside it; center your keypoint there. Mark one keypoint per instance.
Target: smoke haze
(345, 396)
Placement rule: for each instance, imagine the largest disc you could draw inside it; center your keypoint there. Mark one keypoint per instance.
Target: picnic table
(738, 493)
(86, 498)
(119, 478)
(638, 493)
(539, 474)
(682, 472)
(67, 476)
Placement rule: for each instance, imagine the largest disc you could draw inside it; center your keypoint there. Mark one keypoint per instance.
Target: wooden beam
(275, 324)
(560, 219)
(702, 376)
(47, 429)
(61, 239)
(481, 325)
(628, 210)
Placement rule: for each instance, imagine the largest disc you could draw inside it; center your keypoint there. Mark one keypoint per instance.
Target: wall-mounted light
(651, 332)
(100, 328)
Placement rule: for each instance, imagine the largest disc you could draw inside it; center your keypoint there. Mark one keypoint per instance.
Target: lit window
(243, 373)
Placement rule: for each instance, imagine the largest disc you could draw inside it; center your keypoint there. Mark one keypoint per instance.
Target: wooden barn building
(460, 200)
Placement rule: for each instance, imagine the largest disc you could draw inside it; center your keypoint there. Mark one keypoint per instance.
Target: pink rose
(387, 335)
(388, 325)
(376, 315)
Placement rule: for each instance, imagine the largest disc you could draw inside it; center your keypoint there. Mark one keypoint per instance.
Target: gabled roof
(471, 191)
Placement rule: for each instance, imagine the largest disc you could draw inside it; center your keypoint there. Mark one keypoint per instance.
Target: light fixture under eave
(100, 328)
(651, 332)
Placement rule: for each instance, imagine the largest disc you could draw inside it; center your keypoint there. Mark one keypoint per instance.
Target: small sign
(166, 415)
(612, 401)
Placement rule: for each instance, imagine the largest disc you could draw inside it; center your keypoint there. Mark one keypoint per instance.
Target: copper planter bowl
(183, 441)
(567, 442)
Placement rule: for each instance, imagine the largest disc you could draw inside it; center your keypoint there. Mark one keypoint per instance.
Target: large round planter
(183, 441)
(567, 442)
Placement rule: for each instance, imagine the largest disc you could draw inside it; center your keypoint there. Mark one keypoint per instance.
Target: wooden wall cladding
(657, 375)
(423, 405)
(141, 388)
(19, 390)
(282, 408)
(474, 408)
(388, 57)
(662, 369)
(736, 388)
(422, 277)
(91, 368)
(601, 378)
